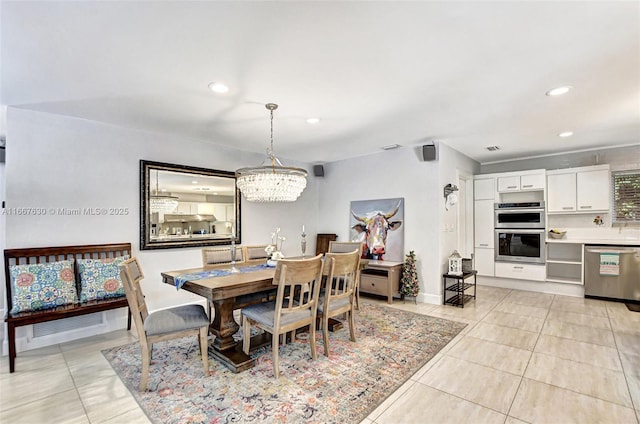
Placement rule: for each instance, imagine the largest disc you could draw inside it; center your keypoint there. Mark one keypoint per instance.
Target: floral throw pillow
(42, 286)
(100, 278)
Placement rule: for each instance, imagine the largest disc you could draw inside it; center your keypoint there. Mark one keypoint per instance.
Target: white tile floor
(524, 357)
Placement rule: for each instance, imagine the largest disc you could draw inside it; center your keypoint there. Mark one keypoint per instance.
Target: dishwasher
(612, 272)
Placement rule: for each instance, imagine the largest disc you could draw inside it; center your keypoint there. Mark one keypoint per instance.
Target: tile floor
(524, 357)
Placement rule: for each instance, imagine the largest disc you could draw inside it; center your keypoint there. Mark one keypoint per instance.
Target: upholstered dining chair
(342, 270)
(345, 247)
(295, 306)
(256, 254)
(213, 257)
(165, 324)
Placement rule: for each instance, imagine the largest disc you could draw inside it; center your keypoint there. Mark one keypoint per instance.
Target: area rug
(343, 388)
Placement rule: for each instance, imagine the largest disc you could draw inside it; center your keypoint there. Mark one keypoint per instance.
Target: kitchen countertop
(619, 242)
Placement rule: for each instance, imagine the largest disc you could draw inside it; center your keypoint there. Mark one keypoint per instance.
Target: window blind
(626, 197)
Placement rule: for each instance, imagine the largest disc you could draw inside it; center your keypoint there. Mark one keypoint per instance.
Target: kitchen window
(626, 197)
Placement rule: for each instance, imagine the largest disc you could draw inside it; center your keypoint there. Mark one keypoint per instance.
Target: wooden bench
(52, 254)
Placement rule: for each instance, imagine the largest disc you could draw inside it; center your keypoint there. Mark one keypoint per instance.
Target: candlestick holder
(233, 268)
(303, 243)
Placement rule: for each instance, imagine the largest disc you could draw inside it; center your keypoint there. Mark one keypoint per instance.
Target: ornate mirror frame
(207, 212)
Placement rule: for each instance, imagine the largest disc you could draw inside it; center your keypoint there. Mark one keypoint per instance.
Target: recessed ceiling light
(313, 120)
(194, 182)
(218, 87)
(566, 134)
(559, 91)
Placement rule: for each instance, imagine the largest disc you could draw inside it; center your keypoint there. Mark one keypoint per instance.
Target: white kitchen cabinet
(532, 181)
(561, 192)
(584, 189)
(520, 271)
(484, 188)
(523, 182)
(186, 208)
(593, 189)
(484, 261)
(483, 223)
(483, 236)
(506, 184)
(205, 209)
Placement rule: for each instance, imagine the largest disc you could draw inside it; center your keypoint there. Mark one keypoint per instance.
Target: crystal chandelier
(272, 182)
(162, 203)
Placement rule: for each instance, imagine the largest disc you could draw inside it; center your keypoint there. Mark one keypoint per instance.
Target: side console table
(454, 287)
(381, 278)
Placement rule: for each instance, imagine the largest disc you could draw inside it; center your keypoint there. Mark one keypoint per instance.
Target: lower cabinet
(520, 271)
(564, 263)
(381, 278)
(484, 261)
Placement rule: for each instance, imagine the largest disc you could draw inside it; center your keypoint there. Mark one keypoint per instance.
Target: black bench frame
(35, 255)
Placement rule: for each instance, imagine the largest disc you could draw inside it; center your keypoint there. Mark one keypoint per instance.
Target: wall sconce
(451, 198)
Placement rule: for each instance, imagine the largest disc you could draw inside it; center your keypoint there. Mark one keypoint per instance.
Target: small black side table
(454, 287)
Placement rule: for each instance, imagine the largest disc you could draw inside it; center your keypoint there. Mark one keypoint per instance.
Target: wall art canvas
(379, 225)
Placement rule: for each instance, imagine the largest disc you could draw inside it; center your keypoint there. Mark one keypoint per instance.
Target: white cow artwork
(378, 225)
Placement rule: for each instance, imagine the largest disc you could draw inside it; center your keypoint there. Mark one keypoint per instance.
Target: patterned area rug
(344, 388)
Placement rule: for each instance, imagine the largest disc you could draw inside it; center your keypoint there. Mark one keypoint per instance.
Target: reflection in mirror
(184, 206)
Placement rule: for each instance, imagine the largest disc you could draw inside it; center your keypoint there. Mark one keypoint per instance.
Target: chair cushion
(264, 313)
(335, 304)
(42, 286)
(100, 278)
(176, 319)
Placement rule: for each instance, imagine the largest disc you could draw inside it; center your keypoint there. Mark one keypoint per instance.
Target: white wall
(452, 164)
(61, 162)
(400, 173)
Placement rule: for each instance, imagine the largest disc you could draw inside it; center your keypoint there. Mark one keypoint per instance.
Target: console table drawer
(374, 284)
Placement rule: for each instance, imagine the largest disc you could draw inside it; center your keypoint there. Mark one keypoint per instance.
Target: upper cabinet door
(593, 190)
(506, 184)
(484, 188)
(532, 182)
(561, 192)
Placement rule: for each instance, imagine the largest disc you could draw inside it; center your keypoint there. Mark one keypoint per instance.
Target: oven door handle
(499, 211)
(519, 230)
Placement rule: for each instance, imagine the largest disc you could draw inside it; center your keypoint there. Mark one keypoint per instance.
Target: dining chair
(213, 257)
(339, 293)
(345, 247)
(256, 254)
(165, 324)
(296, 305)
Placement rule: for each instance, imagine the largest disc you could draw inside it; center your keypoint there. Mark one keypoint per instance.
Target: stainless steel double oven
(520, 232)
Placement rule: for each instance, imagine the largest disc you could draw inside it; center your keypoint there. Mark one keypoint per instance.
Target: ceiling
(467, 74)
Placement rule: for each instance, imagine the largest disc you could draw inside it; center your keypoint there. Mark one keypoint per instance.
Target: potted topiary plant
(409, 284)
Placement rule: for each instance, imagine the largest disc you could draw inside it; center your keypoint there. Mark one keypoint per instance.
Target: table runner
(183, 278)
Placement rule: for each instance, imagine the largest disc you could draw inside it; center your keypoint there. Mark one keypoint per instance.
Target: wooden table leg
(224, 347)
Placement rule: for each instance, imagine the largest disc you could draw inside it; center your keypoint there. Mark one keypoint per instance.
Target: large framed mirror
(185, 206)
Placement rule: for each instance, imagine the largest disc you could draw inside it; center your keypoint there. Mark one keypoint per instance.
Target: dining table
(227, 291)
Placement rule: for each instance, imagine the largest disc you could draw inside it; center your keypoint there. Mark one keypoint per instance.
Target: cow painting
(377, 224)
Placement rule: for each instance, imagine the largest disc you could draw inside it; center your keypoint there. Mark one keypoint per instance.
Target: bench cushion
(42, 286)
(100, 278)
